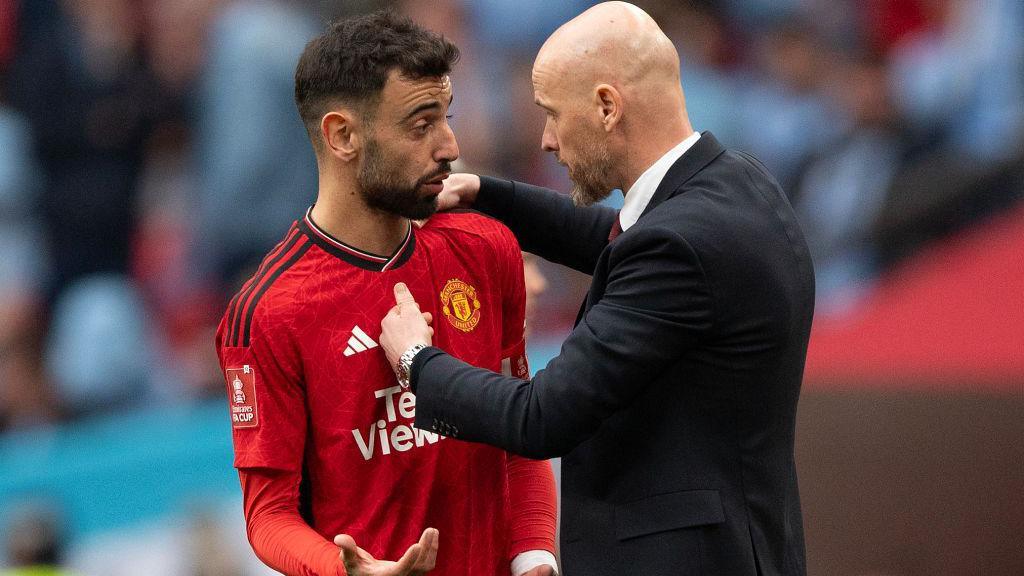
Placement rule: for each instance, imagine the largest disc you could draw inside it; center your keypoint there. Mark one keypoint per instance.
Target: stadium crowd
(150, 152)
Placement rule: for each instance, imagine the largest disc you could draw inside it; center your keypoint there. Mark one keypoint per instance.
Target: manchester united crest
(460, 305)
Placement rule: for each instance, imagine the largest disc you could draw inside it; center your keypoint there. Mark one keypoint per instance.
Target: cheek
(410, 155)
(567, 143)
(569, 132)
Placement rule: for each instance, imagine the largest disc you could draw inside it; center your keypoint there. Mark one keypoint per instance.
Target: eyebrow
(433, 104)
(422, 108)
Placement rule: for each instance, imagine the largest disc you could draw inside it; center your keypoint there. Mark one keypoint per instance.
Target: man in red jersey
(323, 435)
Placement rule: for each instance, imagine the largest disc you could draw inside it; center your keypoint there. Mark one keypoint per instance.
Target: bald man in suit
(673, 402)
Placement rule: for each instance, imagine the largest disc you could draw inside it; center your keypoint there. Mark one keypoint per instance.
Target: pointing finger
(403, 296)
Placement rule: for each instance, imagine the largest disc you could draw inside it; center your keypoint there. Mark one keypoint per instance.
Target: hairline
(367, 106)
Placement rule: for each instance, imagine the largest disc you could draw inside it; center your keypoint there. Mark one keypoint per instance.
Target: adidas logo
(359, 342)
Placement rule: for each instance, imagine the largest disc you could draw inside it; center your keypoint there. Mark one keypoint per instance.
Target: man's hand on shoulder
(417, 560)
(459, 191)
(543, 570)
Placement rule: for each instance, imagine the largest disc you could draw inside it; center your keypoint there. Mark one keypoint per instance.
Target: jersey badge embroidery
(242, 394)
(460, 305)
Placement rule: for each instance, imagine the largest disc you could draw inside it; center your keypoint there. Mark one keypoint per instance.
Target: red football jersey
(311, 391)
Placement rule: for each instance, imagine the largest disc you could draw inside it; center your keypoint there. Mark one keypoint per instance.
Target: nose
(448, 150)
(548, 140)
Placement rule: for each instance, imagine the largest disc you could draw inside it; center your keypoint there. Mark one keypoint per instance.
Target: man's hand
(459, 191)
(417, 560)
(542, 570)
(404, 326)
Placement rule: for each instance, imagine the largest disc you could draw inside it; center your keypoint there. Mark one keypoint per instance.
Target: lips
(436, 181)
(436, 184)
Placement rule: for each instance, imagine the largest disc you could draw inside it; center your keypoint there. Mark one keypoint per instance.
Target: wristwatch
(404, 367)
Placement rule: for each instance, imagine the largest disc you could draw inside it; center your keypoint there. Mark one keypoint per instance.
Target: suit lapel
(583, 309)
(706, 149)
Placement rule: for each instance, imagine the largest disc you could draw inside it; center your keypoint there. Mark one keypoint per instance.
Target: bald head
(614, 43)
(609, 81)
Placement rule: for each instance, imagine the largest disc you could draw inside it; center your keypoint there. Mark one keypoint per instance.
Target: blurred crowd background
(151, 153)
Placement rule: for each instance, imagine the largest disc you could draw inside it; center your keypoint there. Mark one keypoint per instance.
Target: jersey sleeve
(278, 534)
(531, 483)
(266, 397)
(532, 503)
(513, 330)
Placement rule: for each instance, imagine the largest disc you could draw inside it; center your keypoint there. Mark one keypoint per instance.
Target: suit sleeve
(531, 482)
(547, 223)
(656, 306)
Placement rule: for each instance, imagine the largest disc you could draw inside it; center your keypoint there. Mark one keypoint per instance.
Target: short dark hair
(350, 62)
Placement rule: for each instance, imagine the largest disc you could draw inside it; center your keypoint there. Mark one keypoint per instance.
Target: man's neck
(344, 215)
(650, 151)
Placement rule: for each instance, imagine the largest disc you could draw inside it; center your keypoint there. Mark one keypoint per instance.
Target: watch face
(403, 372)
(405, 365)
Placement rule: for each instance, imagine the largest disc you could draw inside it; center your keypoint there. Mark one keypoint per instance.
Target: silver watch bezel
(402, 371)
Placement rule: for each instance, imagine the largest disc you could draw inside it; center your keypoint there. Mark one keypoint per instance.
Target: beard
(591, 173)
(383, 187)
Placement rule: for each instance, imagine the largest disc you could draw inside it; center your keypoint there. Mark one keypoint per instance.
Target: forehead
(402, 93)
(546, 80)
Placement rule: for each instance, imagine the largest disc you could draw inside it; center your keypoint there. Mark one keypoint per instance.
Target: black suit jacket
(673, 402)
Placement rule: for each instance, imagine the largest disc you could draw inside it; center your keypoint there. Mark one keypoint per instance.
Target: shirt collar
(353, 255)
(643, 189)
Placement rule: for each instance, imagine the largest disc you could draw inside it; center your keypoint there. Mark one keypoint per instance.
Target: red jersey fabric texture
(323, 435)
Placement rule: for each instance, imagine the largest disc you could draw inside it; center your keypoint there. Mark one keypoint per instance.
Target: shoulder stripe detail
(247, 303)
(246, 289)
(251, 307)
(243, 294)
(245, 297)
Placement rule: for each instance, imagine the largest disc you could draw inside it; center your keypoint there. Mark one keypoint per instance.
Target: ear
(341, 131)
(609, 105)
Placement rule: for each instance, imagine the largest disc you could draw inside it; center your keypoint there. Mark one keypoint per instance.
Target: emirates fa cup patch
(517, 366)
(242, 396)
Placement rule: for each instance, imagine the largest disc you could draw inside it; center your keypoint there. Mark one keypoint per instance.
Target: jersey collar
(353, 255)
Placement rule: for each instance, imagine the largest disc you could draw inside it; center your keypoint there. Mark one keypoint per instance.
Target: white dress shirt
(640, 193)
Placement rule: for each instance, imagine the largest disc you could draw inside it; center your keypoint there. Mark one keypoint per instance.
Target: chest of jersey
(355, 403)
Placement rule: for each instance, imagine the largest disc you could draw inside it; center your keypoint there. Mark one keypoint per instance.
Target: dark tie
(616, 230)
